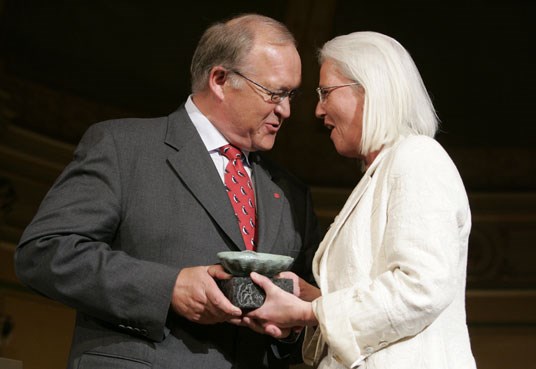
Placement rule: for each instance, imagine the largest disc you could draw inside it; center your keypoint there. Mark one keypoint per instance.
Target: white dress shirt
(213, 139)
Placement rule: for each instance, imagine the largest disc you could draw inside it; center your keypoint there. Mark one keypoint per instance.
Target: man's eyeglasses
(275, 97)
(323, 92)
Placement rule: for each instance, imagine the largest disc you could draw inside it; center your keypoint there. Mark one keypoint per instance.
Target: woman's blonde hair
(396, 100)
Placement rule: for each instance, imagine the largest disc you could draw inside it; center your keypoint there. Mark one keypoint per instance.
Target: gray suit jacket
(140, 201)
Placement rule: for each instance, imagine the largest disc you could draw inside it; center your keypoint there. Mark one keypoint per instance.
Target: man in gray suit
(129, 232)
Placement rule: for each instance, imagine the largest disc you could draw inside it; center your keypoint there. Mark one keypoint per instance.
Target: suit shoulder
(419, 150)
(126, 125)
(417, 144)
(422, 158)
(139, 126)
(128, 130)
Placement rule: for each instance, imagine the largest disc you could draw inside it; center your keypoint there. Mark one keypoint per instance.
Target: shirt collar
(211, 137)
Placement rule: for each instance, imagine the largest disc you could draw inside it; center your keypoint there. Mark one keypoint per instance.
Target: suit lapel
(270, 199)
(195, 168)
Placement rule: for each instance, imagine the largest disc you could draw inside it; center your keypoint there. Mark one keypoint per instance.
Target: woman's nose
(319, 110)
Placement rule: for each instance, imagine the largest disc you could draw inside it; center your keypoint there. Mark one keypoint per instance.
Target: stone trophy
(240, 289)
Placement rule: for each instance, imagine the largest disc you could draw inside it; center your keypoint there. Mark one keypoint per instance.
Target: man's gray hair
(229, 43)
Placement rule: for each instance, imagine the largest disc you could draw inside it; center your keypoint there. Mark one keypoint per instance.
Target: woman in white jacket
(392, 267)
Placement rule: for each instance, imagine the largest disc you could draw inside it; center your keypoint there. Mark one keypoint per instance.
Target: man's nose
(283, 108)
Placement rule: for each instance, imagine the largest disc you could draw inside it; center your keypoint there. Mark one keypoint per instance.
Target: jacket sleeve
(66, 252)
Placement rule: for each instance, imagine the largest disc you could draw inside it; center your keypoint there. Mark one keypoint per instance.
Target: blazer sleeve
(66, 254)
(426, 206)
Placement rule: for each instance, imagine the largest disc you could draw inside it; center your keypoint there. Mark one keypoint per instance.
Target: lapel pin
(276, 195)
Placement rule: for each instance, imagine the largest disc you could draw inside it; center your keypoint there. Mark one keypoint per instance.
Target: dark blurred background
(67, 64)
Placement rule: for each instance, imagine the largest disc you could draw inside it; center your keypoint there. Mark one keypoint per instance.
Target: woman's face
(341, 110)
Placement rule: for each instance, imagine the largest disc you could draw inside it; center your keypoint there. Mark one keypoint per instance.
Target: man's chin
(265, 145)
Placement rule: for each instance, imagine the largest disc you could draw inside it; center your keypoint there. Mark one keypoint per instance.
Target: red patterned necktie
(240, 192)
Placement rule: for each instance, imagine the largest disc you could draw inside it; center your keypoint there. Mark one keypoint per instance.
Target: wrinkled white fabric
(392, 267)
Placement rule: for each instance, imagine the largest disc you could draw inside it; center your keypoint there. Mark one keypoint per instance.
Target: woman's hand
(281, 311)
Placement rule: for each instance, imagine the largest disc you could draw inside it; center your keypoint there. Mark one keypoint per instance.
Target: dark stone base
(245, 294)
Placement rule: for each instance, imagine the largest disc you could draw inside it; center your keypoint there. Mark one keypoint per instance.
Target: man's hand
(302, 289)
(197, 297)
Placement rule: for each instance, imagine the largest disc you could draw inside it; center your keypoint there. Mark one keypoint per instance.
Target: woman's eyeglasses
(323, 92)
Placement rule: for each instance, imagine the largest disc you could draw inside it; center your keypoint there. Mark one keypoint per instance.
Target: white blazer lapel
(320, 262)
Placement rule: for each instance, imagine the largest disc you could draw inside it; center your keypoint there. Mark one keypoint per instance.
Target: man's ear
(216, 80)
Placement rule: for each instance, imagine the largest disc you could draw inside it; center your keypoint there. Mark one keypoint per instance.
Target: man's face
(253, 119)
